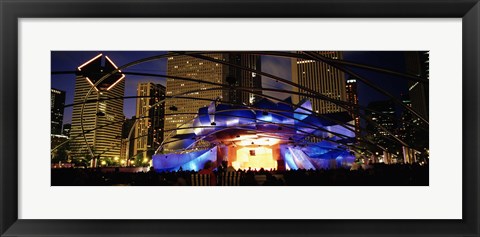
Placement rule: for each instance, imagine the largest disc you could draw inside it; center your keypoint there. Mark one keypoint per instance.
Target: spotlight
(213, 124)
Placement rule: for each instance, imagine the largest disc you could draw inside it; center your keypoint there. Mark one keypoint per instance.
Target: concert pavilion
(265, 135)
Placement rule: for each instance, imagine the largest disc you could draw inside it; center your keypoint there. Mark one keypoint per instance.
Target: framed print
(296, 118)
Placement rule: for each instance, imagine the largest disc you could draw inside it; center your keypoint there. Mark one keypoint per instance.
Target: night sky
(70, 60)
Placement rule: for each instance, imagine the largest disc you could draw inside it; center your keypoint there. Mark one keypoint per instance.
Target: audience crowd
(376, 175)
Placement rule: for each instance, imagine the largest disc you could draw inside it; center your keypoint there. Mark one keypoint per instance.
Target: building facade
(414, 132)
(323, 79)
(181, 110)
(383, 113)
(127, 144)
(352, 98)
(417, 63)
(57, 103)
(238, 77)
(102, 117)
(66, 129)
(149, 115)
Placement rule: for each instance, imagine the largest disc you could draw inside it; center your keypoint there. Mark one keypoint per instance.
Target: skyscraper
(414, 132)
(66, 129)
(102, 117)
(126, 149)
(405, 120)
(149, 126)
(383, 113)
(323, 79)
(417, 63)
(352, 97)
(243, 78)
(57, 103)
(182, 110)
(190, 67)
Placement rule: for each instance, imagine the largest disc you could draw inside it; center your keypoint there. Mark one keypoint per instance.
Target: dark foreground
(377, 175)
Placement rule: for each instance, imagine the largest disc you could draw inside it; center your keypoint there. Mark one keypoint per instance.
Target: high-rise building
(194, 68)
(352, 98)
(321, 78)
(417, 63)
(405, 120)
(181, 110)
(149, 125)
(412, 130)
(57, 103)
(382, 113)
(66, 129)
(56, 140)
(243, 78)
(102, 117)
(126, 149)
(415, 130)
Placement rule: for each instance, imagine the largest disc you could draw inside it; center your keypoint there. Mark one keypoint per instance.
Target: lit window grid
(185, 66)
(145, 133)
(105, 138)
(321, 78)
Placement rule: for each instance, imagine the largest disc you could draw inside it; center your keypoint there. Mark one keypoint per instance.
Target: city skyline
(275, 111)
(70, 60)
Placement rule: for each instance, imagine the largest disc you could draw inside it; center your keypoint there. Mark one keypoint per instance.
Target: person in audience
(208, 169)
(230, 169)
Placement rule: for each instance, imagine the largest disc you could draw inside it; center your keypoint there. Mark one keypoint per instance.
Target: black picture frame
(11, 11)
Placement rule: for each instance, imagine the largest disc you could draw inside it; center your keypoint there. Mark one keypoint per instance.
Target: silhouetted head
(208, 165)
